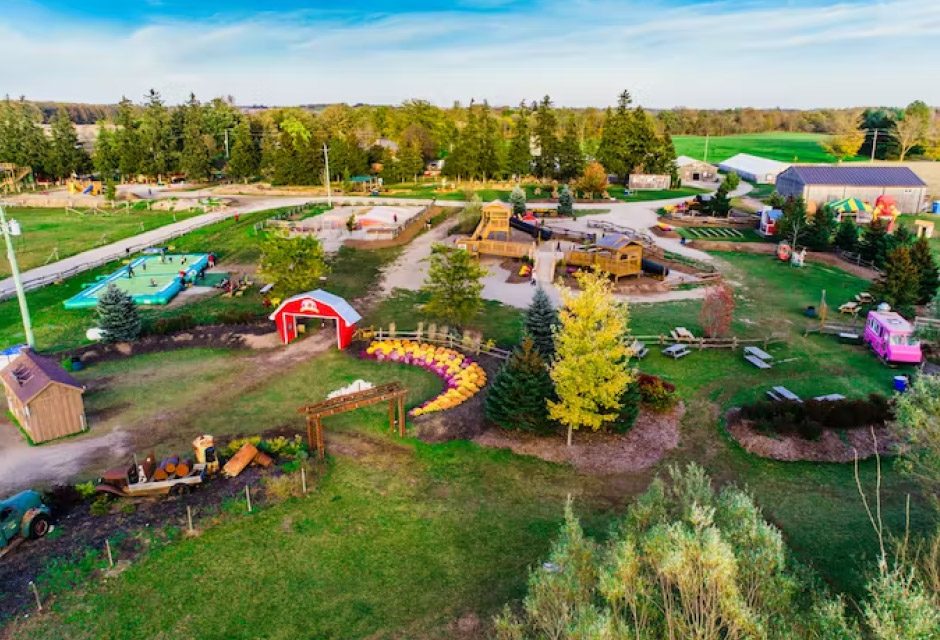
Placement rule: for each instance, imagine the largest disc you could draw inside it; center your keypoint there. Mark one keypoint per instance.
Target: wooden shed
(615, 254)
(43, 397)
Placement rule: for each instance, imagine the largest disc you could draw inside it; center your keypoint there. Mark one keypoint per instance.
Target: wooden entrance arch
(393, 392)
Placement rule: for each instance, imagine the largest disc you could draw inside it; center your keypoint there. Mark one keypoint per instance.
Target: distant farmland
(785, 147)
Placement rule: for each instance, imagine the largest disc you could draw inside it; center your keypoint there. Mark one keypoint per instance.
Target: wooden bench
(639, 349)
(782, 393)
(263, 290)
(676, 351)
(850, 338)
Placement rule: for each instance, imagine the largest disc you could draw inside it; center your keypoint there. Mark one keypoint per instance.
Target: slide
(531, 229)
(654, 268)
(88, 189)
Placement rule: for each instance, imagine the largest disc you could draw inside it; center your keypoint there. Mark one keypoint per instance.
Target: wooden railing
(714, 343)
(442, 336)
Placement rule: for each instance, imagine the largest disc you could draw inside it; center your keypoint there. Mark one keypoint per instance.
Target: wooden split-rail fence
(713, 343)
(441, 336)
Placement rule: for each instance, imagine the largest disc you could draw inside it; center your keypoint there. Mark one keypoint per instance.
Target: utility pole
(874, 145)
(705, 159)
(227, 156)
(14, 229)
(329, 193)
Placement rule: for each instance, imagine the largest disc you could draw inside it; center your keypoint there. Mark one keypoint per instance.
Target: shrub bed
(657, 394)
(808, 419)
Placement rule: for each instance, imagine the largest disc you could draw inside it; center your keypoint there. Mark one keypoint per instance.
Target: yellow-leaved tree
(591, 370)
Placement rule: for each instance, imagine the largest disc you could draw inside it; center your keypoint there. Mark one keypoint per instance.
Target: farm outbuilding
(320, 304)
(43, 397)
(692, 170)
(649, 181)
(821, 184)
(754, 168)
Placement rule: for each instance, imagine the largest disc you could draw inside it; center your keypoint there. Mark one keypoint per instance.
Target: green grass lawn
(618, 192)
(47, 229)
(401, 538)
(761, 191)
(785, 147)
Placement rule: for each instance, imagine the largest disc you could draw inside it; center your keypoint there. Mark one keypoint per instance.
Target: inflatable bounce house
(886, 210)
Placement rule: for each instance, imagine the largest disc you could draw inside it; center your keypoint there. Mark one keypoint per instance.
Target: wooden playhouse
(615, 254)
(43, 397)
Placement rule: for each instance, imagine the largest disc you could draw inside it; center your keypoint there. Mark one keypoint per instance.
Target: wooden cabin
(615, 254)
(43, 397)
(493, 236)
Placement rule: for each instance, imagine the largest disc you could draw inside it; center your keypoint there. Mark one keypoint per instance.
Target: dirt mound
(599, 453)
(832, 446)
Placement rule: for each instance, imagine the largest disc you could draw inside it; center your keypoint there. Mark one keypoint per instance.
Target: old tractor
(22, 516)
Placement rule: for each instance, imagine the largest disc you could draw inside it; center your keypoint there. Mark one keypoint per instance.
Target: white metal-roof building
(754, 168)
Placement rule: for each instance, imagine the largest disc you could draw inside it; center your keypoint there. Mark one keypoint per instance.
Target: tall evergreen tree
(106, 160)
(245, 162)
(66, 155)
(570, 156)
(792, 225)
(612, 150)
(876, 243)
(491, 155)
(821, 228)
(517, 398)
(194, 159)
(128, 147)
(719, 205)
(847, 235)
(517, 200)
(546, 139)
(519, 162)
(118, 318)
(539, 323)
(929, 275)
(22, 141)
(899, 285)
(565, 202)
(155, 137)
(411, 162)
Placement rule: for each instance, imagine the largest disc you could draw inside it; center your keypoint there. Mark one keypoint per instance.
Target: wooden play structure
(12, 177)
(393, 393)
(924, 228)
(493, 236)
(84, 187)
(617, 255)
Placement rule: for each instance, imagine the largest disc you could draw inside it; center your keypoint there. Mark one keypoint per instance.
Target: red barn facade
(316, 304)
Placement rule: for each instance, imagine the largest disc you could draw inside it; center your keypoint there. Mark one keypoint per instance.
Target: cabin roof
(30, 373)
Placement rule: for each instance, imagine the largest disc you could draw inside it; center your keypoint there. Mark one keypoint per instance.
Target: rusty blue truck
(22, 516)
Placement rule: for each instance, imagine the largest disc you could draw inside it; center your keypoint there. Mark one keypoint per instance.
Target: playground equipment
(493, 236)
(618, 255)
(85, 187)
(886, 210)
(525, 224)
(12, 177)
(891, 337)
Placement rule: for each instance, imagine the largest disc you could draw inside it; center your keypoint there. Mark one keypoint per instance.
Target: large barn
(754, 168)
(43, 397)
(819, 184)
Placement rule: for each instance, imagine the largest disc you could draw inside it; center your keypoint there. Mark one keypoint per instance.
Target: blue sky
(695, 53)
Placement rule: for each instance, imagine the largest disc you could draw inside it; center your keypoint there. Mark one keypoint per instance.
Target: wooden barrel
(170, 464)
(184, 468)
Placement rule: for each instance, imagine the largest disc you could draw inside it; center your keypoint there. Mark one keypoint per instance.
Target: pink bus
(890, 336)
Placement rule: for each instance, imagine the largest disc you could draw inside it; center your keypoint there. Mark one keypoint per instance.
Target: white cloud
(582, 53)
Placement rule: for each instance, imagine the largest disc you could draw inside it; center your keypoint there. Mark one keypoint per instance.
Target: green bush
(164, 326)
(236, 316)
(101, 506)
(85, 489)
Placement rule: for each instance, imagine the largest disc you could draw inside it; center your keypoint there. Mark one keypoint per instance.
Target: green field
(428, 191)
(47, 229)
(785, 147)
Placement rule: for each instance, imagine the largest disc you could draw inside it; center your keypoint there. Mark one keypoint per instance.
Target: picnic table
(757, 352)
(782, 393)
(639, 349)
(849, 307)
(758, 357)
(864, 298)
(681, 334)
(849, 337)
(676, 351)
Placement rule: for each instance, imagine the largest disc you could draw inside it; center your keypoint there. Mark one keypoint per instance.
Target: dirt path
(22, 465)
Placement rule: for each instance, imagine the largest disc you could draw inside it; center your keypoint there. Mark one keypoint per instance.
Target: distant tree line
(478, 141)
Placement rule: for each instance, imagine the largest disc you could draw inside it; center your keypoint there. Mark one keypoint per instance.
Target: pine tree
(565, 202)
(117, 316)
(819, 236)
(719, 205)
(154, 135)
(545, 139)
(612, 150)
(517, 398)
(570, 156)
(517, 200)
(194, 160)
(410, 162)
(926, 269)
(899, 285)
(519, 162)
(127, 141)
(245, 162)
(454, 285)
(66, 155)
(591, 370)
(539, 323)
(847, 235)
(876, 243)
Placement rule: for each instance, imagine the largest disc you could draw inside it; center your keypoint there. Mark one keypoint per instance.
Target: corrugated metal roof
(858, 176)
(683, 161)
(30, 373)
(753, 164)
